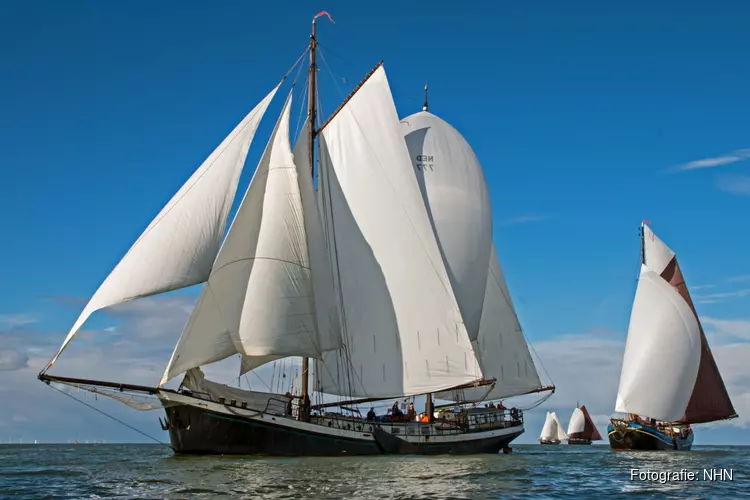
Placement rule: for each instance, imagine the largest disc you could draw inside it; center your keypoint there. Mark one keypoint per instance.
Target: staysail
(663, 320)
(455, 192)
(501, 348)
(403, 327)
(260, 300)
(581, 426)
(178, 248)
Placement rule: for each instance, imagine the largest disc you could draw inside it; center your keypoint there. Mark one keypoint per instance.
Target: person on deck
(501, 406)
(396, 412)
(411, 412)
(371, 414)
(288, 404)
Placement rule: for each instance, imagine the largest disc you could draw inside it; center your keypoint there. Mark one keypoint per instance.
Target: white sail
(404, 330)
(325, 300)
(178, 248)
(577, 422)
(549, 430)
(657, 255)
(259, 298)
(502, 350)
(561, 436)
(458, 203)
(662, 352)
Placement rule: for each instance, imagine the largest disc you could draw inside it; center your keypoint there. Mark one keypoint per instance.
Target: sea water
(152, 471)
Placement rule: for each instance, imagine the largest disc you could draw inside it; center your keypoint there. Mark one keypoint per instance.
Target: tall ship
(552, 431)
(581, 428)
(365, 254)
(669, 379)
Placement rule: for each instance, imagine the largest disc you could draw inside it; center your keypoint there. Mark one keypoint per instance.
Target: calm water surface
(151, 471)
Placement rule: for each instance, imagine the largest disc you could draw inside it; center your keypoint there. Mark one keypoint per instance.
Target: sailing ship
(669, 378)
(379, 273)
(552, 431)
(581, 429)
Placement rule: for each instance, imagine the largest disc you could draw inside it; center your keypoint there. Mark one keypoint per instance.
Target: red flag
(324, 12)
(646, 220)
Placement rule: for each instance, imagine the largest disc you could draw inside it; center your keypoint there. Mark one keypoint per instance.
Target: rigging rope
(113, 418)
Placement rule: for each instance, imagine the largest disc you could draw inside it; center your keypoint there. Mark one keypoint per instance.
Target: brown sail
(710, 400)
(589, 430)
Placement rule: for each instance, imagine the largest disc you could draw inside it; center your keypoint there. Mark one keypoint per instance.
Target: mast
(643, 242)
(424, 108)
(311, 116)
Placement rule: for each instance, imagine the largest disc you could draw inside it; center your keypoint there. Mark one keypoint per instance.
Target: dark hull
(579, 441)
(638, 437)
(198, 431)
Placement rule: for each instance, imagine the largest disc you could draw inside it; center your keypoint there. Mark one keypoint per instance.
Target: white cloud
(739, 279)
(585, 368)
(734, 184)
(702, 287)
(13, 320)
(12, 359)
(723, 329)
(712, 298)
(716, 161)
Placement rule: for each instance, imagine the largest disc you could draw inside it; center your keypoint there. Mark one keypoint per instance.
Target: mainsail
(668, 371)
(259, 300)
(581, 426)
(404, 333)
(178, 248)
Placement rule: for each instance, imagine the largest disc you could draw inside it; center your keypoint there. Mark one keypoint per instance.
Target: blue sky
(586, 117)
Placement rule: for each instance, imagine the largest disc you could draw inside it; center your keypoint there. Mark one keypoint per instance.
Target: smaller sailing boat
(669, 378)
(581, 429)
(552, 432)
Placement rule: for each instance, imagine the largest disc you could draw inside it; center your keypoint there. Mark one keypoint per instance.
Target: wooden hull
(579, 441)
(545, 441)
(208, 428)
(633, 436)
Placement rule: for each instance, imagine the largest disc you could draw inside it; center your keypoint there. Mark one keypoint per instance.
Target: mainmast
(311, 116)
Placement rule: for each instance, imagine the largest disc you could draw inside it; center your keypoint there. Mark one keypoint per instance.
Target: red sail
(710, 400)
(589, 430)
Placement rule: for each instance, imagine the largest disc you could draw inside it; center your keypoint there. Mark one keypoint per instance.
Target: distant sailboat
(552, 432)
(384, 281)
(581, 429)
(669, 378)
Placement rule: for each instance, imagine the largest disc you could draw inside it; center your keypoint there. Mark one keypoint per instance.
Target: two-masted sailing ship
(581, 428)
(377, 269)
(669, 378)
(552, 431)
